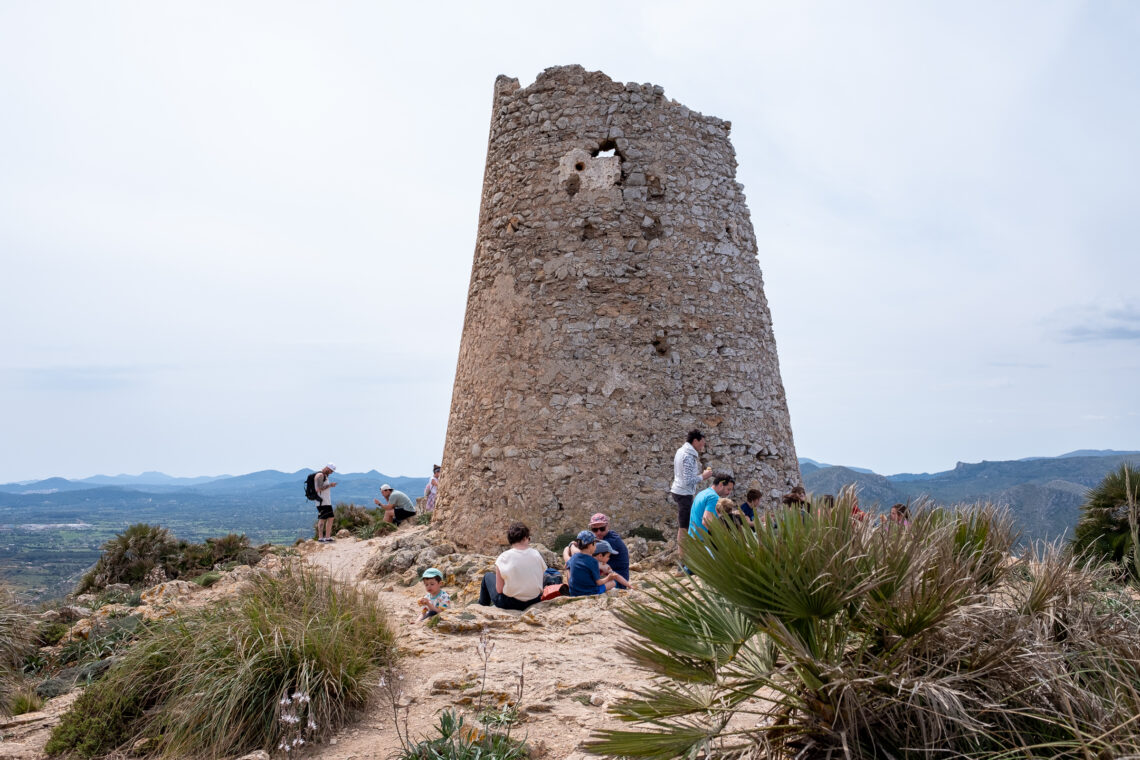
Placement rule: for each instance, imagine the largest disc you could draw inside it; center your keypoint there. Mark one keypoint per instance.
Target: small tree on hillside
(1105, 528)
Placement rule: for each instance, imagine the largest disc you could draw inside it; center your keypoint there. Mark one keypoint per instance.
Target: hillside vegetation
(1044, 496)
(821, 635)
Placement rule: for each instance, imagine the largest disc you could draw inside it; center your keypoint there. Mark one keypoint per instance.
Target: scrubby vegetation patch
(214, 682)
(146, 554)
(820, 634)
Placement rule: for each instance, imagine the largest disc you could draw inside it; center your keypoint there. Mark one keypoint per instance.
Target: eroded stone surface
(615, 302)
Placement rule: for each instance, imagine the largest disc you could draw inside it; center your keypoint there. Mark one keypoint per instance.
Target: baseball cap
(330, 466)
(386, 487)
(603, 547)
(599, 519)
(432, 572)
(585, 538)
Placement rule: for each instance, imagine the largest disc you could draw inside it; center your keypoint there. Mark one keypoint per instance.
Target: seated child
(586, 578)
(436, 598)
(727, 511)
(602, 553)
(751, 504)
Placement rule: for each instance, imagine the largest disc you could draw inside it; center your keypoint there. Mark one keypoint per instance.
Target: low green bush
(457, 741)
(100, 643)
(25, 701)
(130, 557)
(647, 532)
(49, 634)
(1107, 525)
(205, 580)
(213, 682)
(373, 529)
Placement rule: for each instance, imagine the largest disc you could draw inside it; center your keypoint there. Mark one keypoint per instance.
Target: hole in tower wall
(578, 167)
(590, 232)
(606, 149)
(660, 346)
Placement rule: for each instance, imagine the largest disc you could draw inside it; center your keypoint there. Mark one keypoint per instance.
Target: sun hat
(386, 487)
(432, 572)
(330, 466)
(599, 519)
(603, 547)
(585, 538)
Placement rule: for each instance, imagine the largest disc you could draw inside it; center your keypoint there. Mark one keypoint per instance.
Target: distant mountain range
(270, 485)
(1043, 493)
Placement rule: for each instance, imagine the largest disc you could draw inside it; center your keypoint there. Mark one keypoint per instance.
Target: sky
(238, 235)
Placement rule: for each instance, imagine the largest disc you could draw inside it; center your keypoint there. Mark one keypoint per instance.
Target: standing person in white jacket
(686, 477)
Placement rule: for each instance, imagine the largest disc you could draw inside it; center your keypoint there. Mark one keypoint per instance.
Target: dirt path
(567, 652)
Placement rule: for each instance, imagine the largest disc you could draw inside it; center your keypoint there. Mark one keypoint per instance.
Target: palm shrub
(214, 682)
(818, 635)
(1108, 519)
(130, 556)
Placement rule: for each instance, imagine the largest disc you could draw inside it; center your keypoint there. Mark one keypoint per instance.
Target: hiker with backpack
(318, 488)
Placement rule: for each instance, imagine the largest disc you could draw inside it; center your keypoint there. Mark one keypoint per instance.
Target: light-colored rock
(170, 592)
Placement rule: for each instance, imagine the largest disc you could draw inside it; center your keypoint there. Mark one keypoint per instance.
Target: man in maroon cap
(600, 527)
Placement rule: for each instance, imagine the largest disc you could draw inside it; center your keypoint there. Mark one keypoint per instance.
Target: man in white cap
(399, 507)
(324, 509)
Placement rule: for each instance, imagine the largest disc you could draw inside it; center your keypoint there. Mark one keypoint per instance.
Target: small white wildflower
(312, 726)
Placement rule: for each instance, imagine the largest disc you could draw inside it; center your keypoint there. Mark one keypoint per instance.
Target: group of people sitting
(597, 561)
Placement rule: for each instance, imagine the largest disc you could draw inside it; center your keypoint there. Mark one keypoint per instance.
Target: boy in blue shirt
(585, 575)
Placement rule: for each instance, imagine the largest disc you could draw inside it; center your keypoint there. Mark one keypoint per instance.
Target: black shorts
(684, 509)
(400, 515)
(324, 512)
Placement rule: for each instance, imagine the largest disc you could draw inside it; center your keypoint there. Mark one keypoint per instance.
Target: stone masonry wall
(615, 303)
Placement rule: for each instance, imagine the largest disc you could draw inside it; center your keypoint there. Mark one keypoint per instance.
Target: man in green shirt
(399, 506)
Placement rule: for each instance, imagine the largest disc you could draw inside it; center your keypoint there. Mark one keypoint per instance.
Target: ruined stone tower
(615, 303)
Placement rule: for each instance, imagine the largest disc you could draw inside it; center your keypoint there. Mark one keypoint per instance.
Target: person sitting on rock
(399, 507)
(600, 527)
(436, 599)
(751, 504)
(586, 578)
(603, 553)
(516, 582)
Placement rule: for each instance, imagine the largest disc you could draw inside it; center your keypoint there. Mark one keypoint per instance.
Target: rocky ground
(558, 660)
